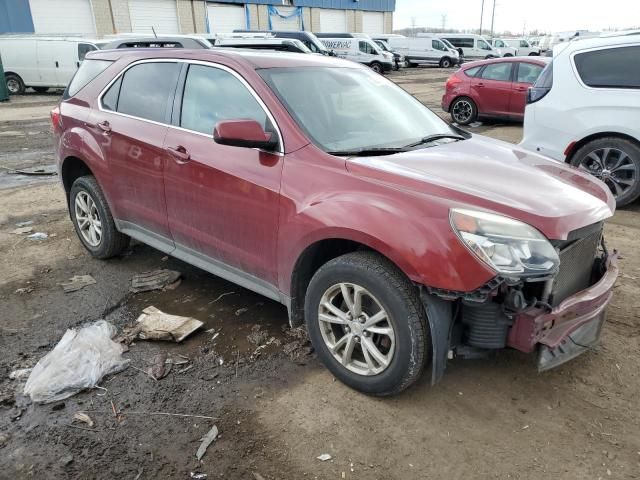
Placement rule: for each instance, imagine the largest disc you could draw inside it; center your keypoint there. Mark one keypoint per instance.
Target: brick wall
(315, 20)
(102, 17)
(263, 17)
(388, 22)
(200, 16)
(358, 21)
(121, 17)
(185, 16)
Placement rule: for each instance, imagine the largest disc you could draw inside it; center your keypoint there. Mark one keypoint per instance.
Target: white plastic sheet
(78, 361)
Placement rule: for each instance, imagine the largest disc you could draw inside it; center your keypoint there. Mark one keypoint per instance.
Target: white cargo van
(42, 62)
(424, 50)
(525, 48)
(361, 50)
(470, 46)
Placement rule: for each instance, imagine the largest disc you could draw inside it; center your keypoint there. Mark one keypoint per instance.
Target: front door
(130, 128)
(222, 201)
(525, 76)
(492, 89)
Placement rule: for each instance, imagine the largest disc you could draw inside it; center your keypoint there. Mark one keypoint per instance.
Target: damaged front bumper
(570, 328)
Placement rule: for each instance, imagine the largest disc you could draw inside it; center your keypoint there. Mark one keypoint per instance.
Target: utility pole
(444, 21)
(481, 15)
(493, 15)
(413, 26)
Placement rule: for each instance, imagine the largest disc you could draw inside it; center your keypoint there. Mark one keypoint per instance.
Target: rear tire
(534, 54)
(508, 55)
(41, 89)
(615, 161)
(89, 210)
(463, 111)
(385, 357)
(15, 85)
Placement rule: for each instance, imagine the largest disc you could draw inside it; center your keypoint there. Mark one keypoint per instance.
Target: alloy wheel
(88, 219)
(462, 111)
(613, 166)
(356, 329)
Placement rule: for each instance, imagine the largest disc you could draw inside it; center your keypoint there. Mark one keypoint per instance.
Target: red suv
(397, 240)
(491, 88)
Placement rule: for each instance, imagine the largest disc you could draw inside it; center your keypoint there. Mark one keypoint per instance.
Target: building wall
(102, 16)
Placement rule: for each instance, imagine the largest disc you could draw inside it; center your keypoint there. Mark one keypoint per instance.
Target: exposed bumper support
(576, 320)
(440, 317)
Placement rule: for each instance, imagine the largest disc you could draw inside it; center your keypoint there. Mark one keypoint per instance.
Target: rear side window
(461, 42)
(211, 95)
(89, 69)
(497, 71)
(528, 72)
(147, 89)
(472, 72)
(610, 67)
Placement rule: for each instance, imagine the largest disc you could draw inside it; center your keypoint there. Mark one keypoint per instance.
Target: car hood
(496, 176)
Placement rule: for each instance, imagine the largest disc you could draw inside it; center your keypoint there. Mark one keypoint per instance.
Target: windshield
(447, 43)
(344, 109)
(316, 45)
(382, 45)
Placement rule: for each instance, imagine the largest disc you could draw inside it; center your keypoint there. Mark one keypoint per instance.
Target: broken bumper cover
(571, 328)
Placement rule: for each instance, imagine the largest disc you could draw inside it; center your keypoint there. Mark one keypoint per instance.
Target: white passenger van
(42, 62)
(470, 46)
(424, 50)
(361, 50)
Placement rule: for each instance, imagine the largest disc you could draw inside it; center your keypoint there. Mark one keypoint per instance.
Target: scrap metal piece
(77, 282)
(154, 324)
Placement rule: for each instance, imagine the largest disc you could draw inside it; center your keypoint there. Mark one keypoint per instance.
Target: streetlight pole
(493, 14)
(481, 15)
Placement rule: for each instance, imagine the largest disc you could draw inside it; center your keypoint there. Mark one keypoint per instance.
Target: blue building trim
(372, 5)
(15, 17)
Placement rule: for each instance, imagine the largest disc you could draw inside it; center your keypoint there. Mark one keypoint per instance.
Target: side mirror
(243, 133)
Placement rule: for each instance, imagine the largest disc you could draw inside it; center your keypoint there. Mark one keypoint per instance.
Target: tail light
(453, 81)
(56, 118)
(543, 85)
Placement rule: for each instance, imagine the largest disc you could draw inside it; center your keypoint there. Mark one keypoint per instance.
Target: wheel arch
(575, 146)
(319, 252)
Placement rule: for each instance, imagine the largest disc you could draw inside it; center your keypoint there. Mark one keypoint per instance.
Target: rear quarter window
(610, 67)
(472, 72)
(89, 69)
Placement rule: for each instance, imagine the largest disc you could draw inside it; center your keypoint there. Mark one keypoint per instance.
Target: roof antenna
(154, 31)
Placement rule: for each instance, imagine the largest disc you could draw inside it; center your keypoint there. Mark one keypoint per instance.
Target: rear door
(48, 62)
(525, 75)
(130, 125)
(492, 88)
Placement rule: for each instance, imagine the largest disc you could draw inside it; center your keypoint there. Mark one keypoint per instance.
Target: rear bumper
(570, 328)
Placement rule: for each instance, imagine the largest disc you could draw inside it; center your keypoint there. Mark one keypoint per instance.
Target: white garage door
(372, 23)
(290, 24)
(162, 15)
(333, 21)
(62, 16)
(226, 18)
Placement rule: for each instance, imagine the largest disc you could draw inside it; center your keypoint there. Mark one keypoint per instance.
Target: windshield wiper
(433, 138)
(369, 152)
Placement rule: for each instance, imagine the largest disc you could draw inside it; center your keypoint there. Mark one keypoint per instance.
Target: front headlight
(510, 247)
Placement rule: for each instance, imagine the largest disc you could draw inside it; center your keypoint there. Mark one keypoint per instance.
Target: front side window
(147, 89)
(212, 95)
(346, 109)
(610, 67)
(524, 44)
(367, 48)
(84, 48)
(528, 72)
(483, 45)
(500, 44)
(497, 71)
(438, 45)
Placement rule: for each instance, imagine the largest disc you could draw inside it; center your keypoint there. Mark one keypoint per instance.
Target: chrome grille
(576, 264)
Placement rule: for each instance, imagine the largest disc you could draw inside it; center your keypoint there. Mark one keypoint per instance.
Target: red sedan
(491, 88)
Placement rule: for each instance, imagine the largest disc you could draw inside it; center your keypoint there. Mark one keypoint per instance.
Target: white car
(584, 109)
(503, 48)
(361, 50)
(525, 49)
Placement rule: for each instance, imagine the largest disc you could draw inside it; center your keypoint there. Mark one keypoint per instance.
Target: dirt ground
(276, 407)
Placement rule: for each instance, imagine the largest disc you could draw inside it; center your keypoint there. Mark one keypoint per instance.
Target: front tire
(93, 221)
(367, 324)
(463, 111)
(15, 85)
(445, 62)
(615, 161)
(377, 67)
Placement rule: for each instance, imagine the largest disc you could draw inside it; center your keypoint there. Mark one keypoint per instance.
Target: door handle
(57, 65)
(522, 89)
(480, 85)
(103, 126)
(179, 153)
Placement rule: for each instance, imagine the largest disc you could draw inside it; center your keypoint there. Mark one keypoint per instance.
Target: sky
(515, 15)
